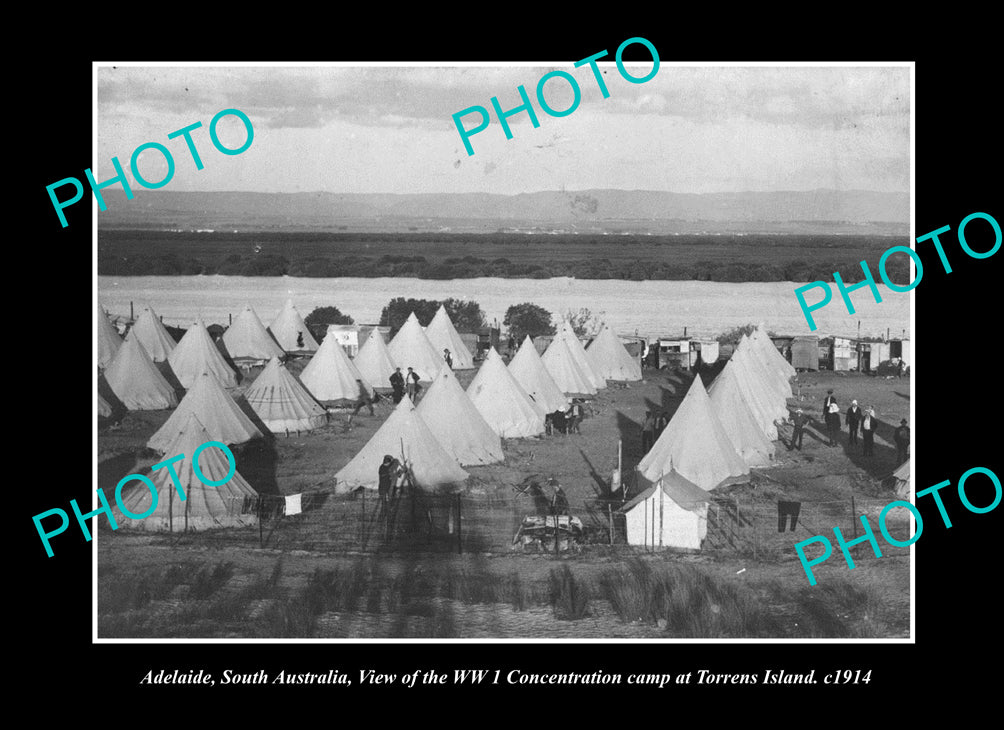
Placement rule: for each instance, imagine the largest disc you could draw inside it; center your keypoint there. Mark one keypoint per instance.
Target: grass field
(306, 575)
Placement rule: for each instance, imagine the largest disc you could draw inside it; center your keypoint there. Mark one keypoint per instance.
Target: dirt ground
(823, 478)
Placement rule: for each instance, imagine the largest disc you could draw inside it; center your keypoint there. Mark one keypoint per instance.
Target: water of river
(648, 308)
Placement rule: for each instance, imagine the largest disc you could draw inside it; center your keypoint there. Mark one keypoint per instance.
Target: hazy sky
(364, 129)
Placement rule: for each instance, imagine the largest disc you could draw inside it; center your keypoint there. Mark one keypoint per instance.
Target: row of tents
(449, 429)
(713, 439)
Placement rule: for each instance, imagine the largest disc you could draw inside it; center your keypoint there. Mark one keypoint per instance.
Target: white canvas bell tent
(282, 403)
(196, 354)
(109, 341)
(331, 376)
(744, 432)
(404, 436)
(373, 361)
(566, 372)
(457, 424)
(502, 401)
(410, 348)
(672, 512)
(444, 336)
(230, 504)
(530, 372)
(771, 374)
(152, 334)
(219, 414)
(290, 331)
(695, 444)
(246, 339)
(763, 342)
(136, 381)
(579, 354)
(610, 357)
(757, 395)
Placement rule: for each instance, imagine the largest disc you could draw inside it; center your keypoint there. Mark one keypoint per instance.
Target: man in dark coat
(831, 417)
(902, 439)
(389, 471)
(412, 382)
(853, 420)
(647, 432)
(397, 383)
(868, 424)
(449, 360)
(796, 437)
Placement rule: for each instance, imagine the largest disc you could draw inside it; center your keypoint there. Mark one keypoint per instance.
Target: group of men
(566, 421)
(855, 418)
(401, 383)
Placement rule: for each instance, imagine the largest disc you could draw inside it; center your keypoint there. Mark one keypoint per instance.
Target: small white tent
(215, 410)
(196, 354)
(282, 403)
(579, 354)
(530, 372)
(404, 436)
(135, 380)
(444, 336)
(410, 348)
(331, 376)
(246, 339)
(459, 426)
(502, 401)
(109, 341)
(743, 431)
(610, 357)
(672, 512)
(373, 361)
(231, 504)
(565, 370)
(152, 334)
(290, 331)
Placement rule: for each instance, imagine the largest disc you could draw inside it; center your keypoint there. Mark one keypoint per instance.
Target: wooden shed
(805, 352)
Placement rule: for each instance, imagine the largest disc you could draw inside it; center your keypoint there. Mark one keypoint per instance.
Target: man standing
(397, 383)
(833, 421)
(389, 471)
(412, 380)
(902, 439)
(868, 431)
(647, 432)
(853, 421)
(796, 436)
(574, 416)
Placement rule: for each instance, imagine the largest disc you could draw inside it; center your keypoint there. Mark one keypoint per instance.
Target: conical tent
(134, 378)
(444, 336)
(404, 436)
(695, 445)
(282, 403)
(374, 362)
(331, 377)
(109, 341)
(104, 407)
(247, 338)
(196, 354)
(582, 359)
(744, 432)
(152, 334)
(290, 331)
(771, 375)
(231, 504)
(565, 370)
(762, 341)
(502, 401)
(410, 348)
(457, 424)
(610, 357)
(216, 411)
(530, 372)
(763, 398)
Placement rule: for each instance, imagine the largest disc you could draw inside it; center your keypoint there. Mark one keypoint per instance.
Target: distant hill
(593, 211)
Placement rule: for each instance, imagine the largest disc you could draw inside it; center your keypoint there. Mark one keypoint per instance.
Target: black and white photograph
(592, 363)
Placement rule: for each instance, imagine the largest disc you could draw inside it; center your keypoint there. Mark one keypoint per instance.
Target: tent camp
(196, 354)
(230, 504)
(247, 340)
(565, 370)
(331, 377)
(109, 341)
(152, 334)
(282, 403)
(611, 359)
(502, 401)
(290, 331)
(443, 335)
(749, 440)
(410, 348)
(529, 371)
(404, 436)
(215, 410)
(695, 445)
(136, 381)
(457, 424)
(373, 361)
(672, 512)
